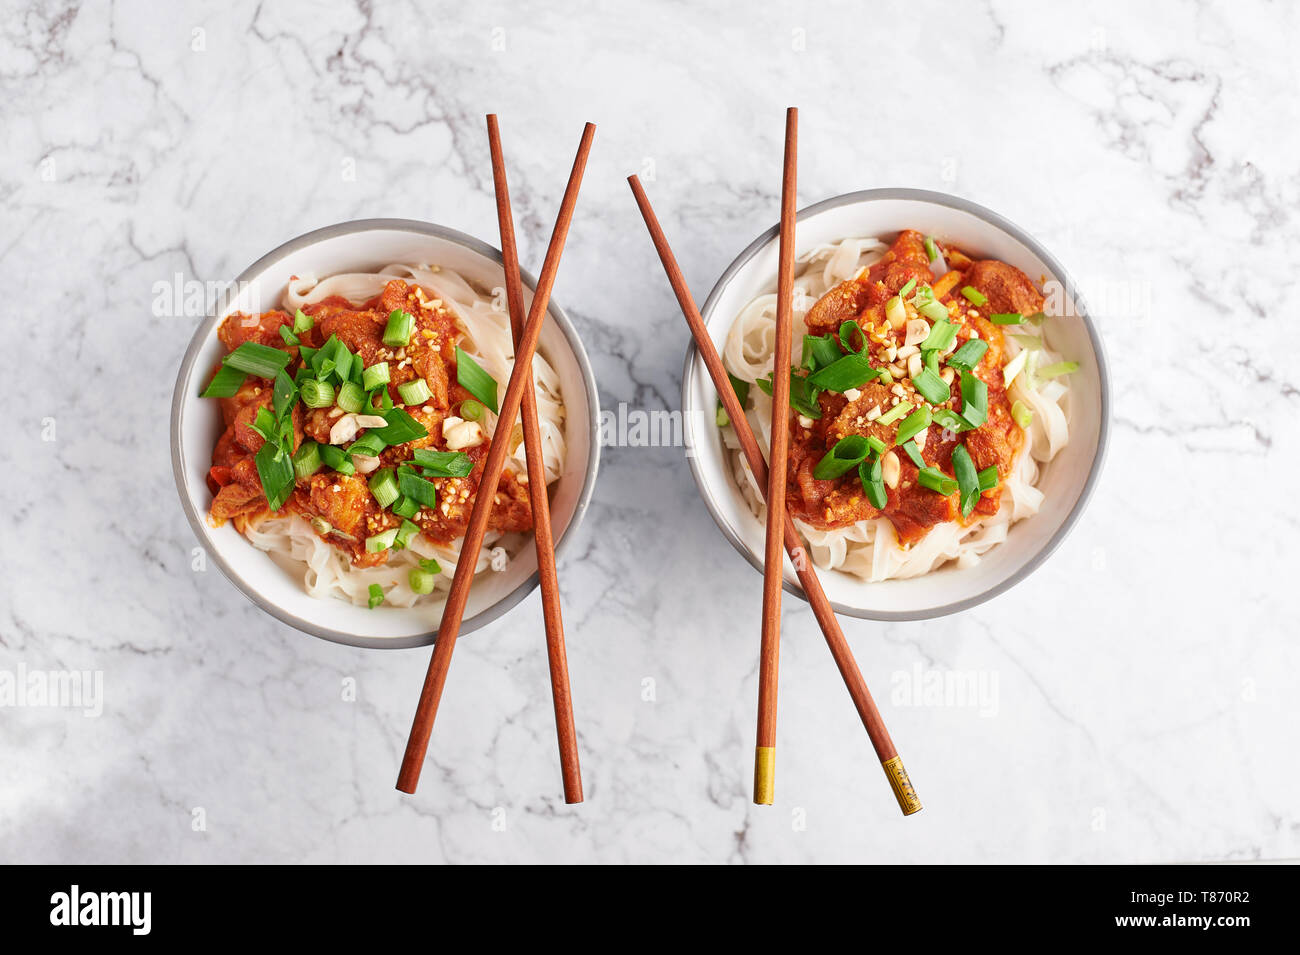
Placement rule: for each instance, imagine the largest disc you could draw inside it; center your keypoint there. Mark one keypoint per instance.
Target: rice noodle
(869, 549)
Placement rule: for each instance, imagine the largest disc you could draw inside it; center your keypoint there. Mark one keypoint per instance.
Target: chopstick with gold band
(417, 743)
(545, 542)
(899, 783)
(778, 455)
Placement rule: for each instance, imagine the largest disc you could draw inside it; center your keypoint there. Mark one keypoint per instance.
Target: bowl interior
(196, 425)
(1065, 481)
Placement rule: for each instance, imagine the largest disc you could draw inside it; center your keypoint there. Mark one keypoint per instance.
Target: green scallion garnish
(471, 376)
(913, 425)
(1022, 414)
(989, 478)
(443, 463)
(383, 485)
(942, 334)
(472, 410)
(931, 249)
(401, 427)
(847, 331)
(376, 592)
(974, 400)
(974, 296)
(351, 398)
(1007, 318)
(335, 459)
(847, 453)
(405, 531)
(936, 480)
(306, 460)
(969, 355)
(381, 541)
(417, 488)
(415, 392)
(316, 393)
(288, 337)
(302, 322)
(256, 359)
(421, 581)
(871, 473)
(405, 507)
(968, 480)
(275, 471)
(844, 374)
(225, 383)
(931, 387)
(914, 453)
(399, 328)
(819, 351)
(1060, 368)
(374, 376)
(896, 412)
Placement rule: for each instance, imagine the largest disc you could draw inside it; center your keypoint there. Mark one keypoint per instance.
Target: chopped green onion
(471, 376)
(886, 378)
(846, 338)
(383, 485)
(417, 488)
(720, 416)
(848, 453)
(255, 359)
(399, 328)
(275, 471)
(376, 592)
(845, 374)
(950, 420)
(401, 427)
(931, 249)
(1028, 342)
(415, 392)
(225, 383)
(1060, 368)
(306, 353)
(471, 409)
(405, 532)
(871, 474)
(306, 460)
(382, 541)
(931, 387)
(283, 394)
(321, 526)
(969, 355)
(741, 388)
(819, 351)
(895, 312)
(907, 288)
(968, 480)
(443, 463)
(1037, 318)
(989, 478)
(974, 400)
(914, 453)
(302, 322)
(374, 376)
(894, 413)
(913, 425)
(335, 458)
(803, 396)
(405, 507)
(421, 581)
(942, 334)
(287, 336)
(317, 393)
(369, 443)
(974, 296)
(934, 310)
(1007, 318)
(264, 424)
(1022, 414)
(936, 480)
(351, 398)
(876, 444)
(430, 565)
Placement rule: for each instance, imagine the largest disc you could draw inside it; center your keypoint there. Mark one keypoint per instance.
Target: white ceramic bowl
(1067, 481)
(360, 246)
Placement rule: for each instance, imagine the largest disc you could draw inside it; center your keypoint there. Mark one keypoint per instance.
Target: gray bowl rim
(691, 369)
(182, 397)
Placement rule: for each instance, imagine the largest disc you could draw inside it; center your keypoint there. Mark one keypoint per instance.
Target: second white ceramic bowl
(1067, 481)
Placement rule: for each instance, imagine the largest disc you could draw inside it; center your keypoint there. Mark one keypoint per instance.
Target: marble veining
(1138, 692)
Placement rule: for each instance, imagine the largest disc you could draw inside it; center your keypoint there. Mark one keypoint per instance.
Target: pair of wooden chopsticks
(779, 524)
(519, 394)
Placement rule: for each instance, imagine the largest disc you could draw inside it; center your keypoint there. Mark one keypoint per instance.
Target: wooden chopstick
(545, 541)
(422, 725)
(774, 553)
(821, 607)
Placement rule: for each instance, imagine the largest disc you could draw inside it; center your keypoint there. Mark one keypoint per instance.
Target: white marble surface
(1146, 677)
